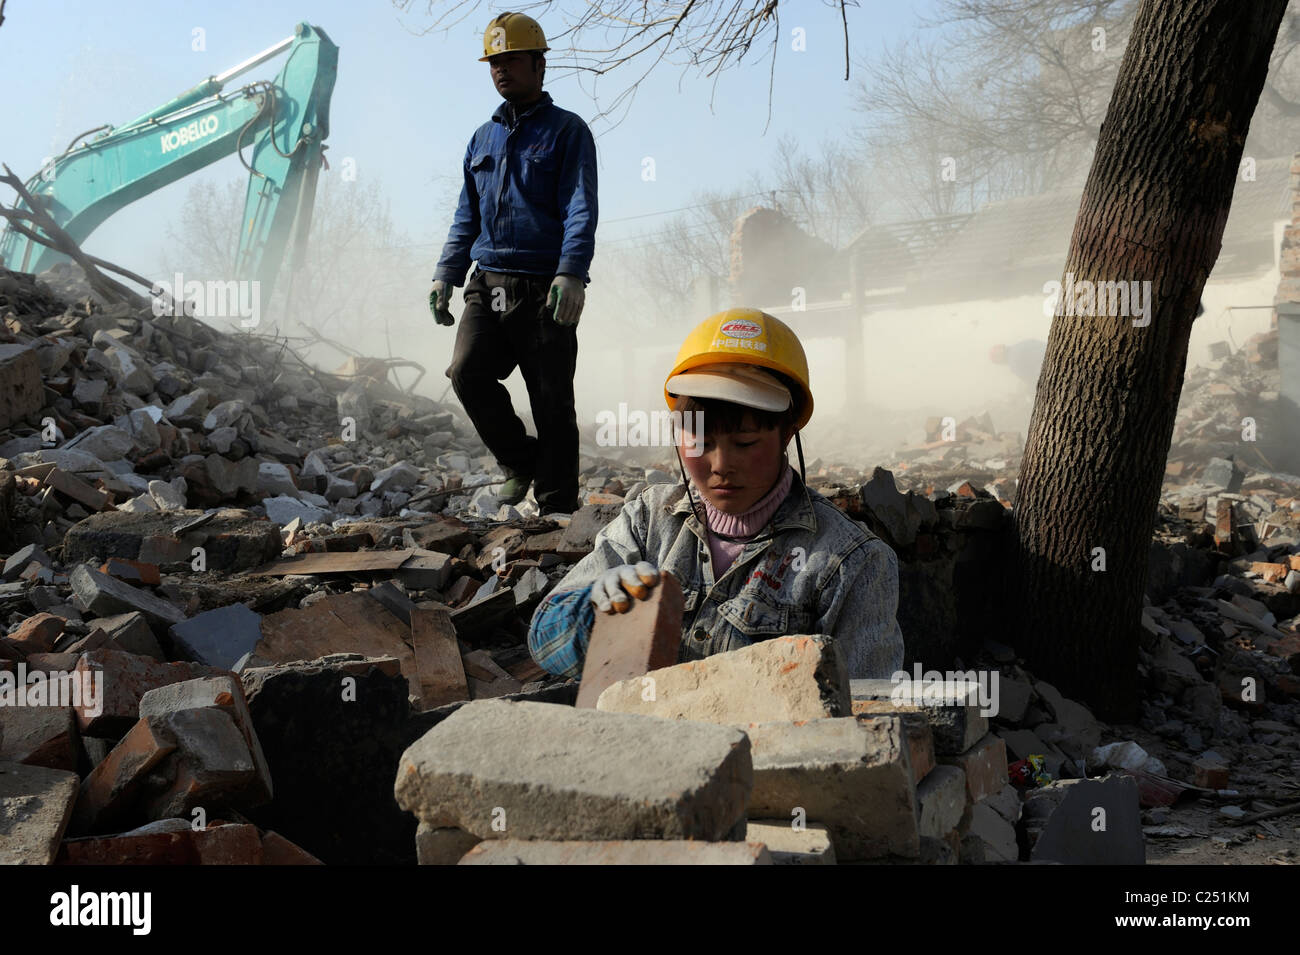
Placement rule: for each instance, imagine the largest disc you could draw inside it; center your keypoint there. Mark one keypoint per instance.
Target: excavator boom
(283, 123)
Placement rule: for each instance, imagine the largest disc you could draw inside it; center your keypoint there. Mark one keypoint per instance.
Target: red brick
(37, 634)
(228, 845)
(1271, 573)
(625, 645)
(985, 765)
(1210, 774)
(127, 677)
(277, 850)
(155, 848)
(108, 793)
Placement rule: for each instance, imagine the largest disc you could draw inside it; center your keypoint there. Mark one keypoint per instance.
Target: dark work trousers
(490, 343)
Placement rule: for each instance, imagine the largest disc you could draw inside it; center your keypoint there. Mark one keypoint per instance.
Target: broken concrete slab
(232, 539)
(1086, 822)
(101, 594)
(626, 646)
(502, 770)
(579, 537)
(131, 632)
(784, 678)
(807, 845)
(630, 852)
(35, 806)
(221, 637)
(851, 775)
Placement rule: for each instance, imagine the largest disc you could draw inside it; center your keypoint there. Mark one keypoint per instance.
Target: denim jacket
(812, 570)
(528, 203)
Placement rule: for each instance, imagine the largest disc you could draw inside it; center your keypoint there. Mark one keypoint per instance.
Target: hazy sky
(405, 105)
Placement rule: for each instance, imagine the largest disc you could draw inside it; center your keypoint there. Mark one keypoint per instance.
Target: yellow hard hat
(746, 336)
(512, 33)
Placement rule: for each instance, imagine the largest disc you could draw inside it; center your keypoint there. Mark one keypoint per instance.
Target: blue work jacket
(529, 199)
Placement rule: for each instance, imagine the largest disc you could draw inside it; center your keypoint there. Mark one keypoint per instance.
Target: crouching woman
(757, 552)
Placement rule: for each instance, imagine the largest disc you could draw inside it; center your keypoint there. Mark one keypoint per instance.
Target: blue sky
(405, 104)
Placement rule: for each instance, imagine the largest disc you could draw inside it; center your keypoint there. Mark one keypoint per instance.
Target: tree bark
(1153, 210)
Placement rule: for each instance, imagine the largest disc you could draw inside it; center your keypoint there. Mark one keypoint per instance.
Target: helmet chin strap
(701, 512)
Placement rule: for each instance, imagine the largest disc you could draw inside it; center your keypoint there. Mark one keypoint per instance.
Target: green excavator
(282, 123)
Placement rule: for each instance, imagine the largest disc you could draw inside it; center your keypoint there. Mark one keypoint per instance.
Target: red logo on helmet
(741, 328)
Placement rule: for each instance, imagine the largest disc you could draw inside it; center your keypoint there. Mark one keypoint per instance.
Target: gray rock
(224, 415)
(281, 510)
(274, 479)
(107, 442)
(169, 496)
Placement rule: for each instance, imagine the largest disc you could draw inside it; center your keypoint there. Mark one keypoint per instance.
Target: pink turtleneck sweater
(746, 525)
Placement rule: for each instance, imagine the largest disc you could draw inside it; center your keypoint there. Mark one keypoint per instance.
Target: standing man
(527, 215)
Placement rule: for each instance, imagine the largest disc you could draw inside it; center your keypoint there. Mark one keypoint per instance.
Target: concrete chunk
(626, 646)
(852, 775)
(443, 846)
(39, 736)
(219, 637)
(1065, 817)
(632, 852)
(104, 595)
(224, 693)
(551, 772)
(35, 805)
(810, 845)
(785, 678)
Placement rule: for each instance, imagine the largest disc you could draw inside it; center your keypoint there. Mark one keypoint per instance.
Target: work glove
(565, 299)
(610, 591)
(439, 300)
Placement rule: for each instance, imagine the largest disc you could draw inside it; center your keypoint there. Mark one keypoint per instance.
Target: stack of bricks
(960, 770)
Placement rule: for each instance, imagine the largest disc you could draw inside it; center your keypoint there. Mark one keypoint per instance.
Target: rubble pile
(234, 585)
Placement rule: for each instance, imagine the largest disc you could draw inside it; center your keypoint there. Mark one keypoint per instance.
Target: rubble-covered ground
(290, 582)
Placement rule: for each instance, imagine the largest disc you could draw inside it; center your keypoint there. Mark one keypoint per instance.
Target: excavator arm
(283, 122)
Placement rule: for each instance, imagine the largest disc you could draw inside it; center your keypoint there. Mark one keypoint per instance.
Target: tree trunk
(1153, 210)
